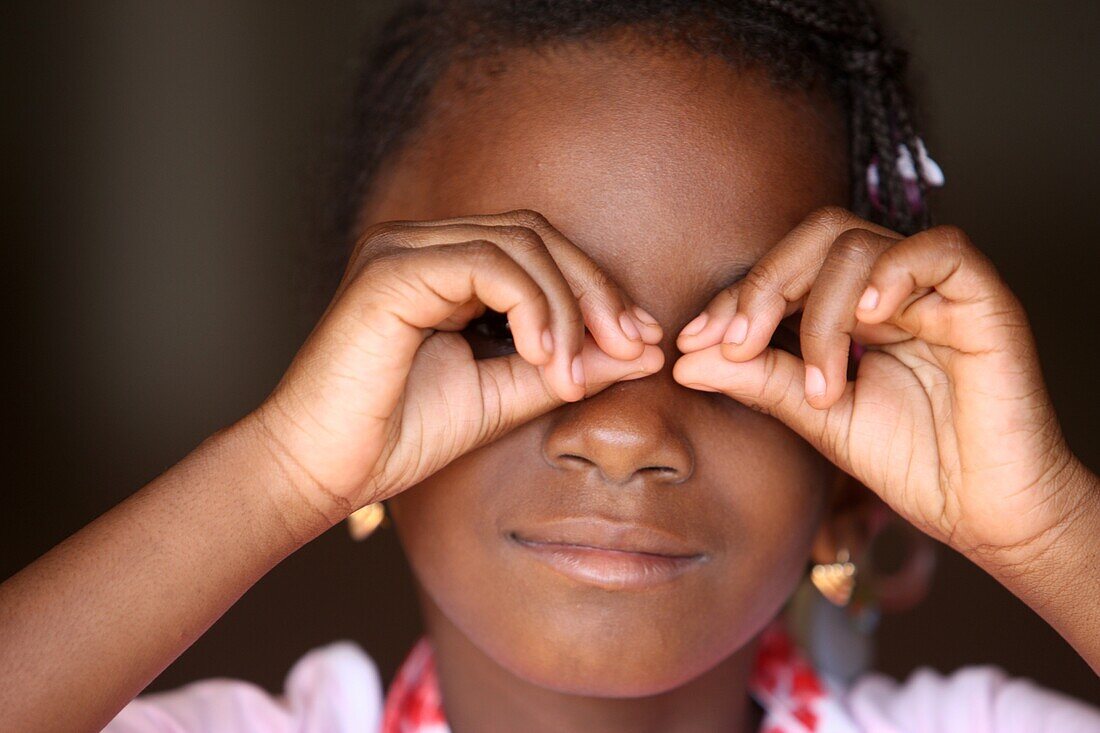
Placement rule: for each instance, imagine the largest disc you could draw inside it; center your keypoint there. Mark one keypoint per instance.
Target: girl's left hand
(948, 419)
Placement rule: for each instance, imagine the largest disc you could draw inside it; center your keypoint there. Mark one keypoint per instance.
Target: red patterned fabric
(794, 697)
(413, 704)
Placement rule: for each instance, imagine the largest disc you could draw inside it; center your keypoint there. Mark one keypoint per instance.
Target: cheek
(773, 489)
(448, 527)
(758, 495)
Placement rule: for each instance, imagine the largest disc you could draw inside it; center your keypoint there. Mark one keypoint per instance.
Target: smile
(609, 555)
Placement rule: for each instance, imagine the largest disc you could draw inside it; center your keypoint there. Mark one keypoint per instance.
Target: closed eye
(489, 335)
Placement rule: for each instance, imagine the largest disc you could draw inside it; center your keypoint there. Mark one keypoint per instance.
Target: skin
(662, 164)
(709, 184)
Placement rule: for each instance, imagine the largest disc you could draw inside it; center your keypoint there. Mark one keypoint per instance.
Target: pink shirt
(337, 689)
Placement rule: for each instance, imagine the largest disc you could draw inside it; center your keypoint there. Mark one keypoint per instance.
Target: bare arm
(103, 613)
(1059, 576)
(356, 419)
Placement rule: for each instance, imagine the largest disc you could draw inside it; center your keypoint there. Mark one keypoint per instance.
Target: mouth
(607, 554)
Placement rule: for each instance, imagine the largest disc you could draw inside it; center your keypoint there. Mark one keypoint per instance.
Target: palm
(373, 431)
(950, 440)
(441, 415)
(947, 419)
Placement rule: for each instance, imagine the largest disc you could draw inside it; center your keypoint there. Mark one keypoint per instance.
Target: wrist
(279, 484)
(1076, 491)
(1058, 575)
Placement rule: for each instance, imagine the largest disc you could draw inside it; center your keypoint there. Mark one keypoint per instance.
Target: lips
(608, 554)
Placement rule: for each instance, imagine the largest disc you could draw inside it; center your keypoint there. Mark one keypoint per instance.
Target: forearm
(88, 625)
(1060, 578)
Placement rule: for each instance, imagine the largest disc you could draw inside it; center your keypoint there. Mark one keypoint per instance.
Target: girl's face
(674, 173)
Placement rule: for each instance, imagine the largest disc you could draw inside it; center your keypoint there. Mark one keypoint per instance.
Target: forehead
(656, 163)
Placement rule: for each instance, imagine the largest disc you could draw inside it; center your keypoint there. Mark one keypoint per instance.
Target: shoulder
(333, 688)
(972, 700)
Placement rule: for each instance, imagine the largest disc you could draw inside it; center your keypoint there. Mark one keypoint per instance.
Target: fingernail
(644, 317)
(547, 341)
(578, 371)
(627, 324)
(738, 330)
(696, 325)
(815, 381)
(869, 299)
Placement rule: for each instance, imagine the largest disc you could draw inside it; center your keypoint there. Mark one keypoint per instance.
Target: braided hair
(837, 44)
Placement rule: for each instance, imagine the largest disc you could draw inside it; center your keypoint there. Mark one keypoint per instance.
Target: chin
(572, 591)
(627, 662)
(580, 639)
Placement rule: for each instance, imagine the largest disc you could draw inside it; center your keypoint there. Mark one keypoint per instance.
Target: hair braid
(879, 119)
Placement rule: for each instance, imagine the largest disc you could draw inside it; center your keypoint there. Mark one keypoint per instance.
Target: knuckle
(952, 236)
(529, 218)
(595, 285)
(380, 263)
(380, 232)
(774, 388)
(479, 251)
(598, 288)
(367, 244)
(854, 247)
(601, 282)
(813, 330)
(522, 238)
(831, 217)
(760, 280)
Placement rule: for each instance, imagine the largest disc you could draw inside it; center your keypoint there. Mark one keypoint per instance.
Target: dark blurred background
(163, 165)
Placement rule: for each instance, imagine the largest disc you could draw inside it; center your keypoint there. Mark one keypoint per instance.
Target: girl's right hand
(385, 391)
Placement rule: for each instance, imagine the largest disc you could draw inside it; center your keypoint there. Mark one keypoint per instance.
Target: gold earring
(362, 522)
(837, 580)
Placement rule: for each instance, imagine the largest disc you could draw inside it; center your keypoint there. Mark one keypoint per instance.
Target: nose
(624, 433)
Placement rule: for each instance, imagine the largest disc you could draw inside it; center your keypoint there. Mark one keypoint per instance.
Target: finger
(829, 314)
(602, 370)
(617, 327)
(516, 391)
(746, 316)
(780, 281)
(648, 326)
(468, 311)
(936, 285)
(772, 383)
(764, 290)
(877, 334)
(527, 249)
(423, 287)
(592, 284)
(718, 321)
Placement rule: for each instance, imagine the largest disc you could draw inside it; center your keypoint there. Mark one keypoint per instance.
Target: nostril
(661, 470)
(667, 473)
(574, 459)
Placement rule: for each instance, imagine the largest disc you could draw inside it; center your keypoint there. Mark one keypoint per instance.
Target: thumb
(515, 391)
(773, 382)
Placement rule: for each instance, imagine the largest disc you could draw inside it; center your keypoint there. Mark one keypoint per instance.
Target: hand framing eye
(947, 417)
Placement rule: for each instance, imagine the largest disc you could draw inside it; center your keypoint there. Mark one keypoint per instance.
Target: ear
(890, 553)
(854, 516)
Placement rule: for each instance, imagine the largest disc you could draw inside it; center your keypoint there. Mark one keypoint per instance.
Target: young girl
(694, 215)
